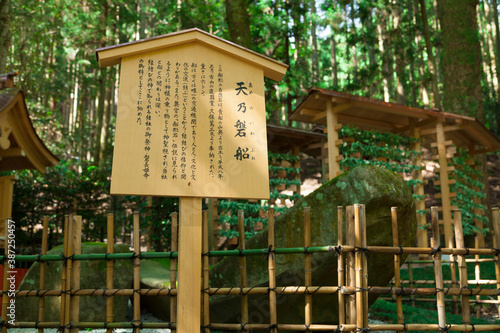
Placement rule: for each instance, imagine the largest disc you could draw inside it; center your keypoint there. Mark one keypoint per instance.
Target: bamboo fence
(351, 292)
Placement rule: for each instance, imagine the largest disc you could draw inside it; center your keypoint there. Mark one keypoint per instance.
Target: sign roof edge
(112, 55)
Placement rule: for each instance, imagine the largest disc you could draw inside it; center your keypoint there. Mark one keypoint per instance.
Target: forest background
(426, 53)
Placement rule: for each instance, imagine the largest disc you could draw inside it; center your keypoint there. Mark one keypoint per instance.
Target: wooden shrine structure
(437, 130)
(20, 146)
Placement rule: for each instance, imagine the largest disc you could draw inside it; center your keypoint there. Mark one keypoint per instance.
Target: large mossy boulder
(378, 189)
(93, 276)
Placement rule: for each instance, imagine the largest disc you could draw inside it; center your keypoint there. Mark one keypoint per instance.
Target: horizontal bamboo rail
(288, 290)
(291, 327)
(257, 252)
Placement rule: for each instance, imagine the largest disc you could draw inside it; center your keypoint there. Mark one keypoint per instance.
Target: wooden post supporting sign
(191, 123)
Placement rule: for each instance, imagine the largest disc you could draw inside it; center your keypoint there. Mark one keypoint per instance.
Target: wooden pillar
(444, 180)
(333, 136)
(190, 241)
(419, 190)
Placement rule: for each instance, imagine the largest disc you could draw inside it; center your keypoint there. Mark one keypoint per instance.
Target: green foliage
(387, 150)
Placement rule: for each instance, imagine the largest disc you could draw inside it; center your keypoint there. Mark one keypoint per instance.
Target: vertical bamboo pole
(397, 264)
(438, 271)
(69, 272)
(453, 273)
(496, 243)
(272, 272)
(307, 267)
(358, 262)
(109, 269)
(365, 265)
(443, 177)
(206, 272)
(64, 284)
(5, 298)
(190, 239)
(150, 225)
(173, 270)
(410, 276)
(350, 272)
(43, 267)
(333, 136)
(76, 240)
(340, 264)
(243, 267)
(462, 266)
(477, 275)
(137, 274)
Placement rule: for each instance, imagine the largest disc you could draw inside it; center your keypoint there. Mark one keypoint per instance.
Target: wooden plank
(192, 143)
(273, 315)
(397, 264)
(206, 274)
(446, 143)
(450, 182)
(333, 136)
(450, 195)
(443, 176)
(190, 242)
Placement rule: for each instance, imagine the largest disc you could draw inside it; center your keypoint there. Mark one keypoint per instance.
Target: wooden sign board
(191, 122)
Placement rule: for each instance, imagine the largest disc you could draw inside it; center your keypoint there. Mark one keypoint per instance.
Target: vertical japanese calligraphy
(197, 125)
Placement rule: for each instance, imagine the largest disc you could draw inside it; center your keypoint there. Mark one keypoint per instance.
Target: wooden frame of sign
(191, 123)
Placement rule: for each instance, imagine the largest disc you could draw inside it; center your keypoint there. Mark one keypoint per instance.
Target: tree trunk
(399, 50)
(461, 61)
(314, 47)
(238, 22)
(4, 34)
(431, 61)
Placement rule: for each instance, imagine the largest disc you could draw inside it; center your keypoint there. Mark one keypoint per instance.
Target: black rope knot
(359, 249)
(435, 251)
(271, 252)
(497, 251)
(272, 327)
(362, 329)
(134, 325)
(306, 249)
(444, 329)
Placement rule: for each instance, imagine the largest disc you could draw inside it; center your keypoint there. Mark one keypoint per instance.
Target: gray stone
(93, 276)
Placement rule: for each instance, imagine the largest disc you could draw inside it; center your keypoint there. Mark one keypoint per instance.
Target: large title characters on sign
(191, 117)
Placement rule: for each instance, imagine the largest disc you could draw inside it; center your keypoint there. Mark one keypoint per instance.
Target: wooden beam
(333, 136)
(12, 152)
(348, 119)
(189, 289)
(449, 128)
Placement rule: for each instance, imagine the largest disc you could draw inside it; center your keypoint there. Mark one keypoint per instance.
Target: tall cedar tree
(4, 33)
(238, 22)
(461, 58)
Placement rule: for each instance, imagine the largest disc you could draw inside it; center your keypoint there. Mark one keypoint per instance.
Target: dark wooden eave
(368, 113)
